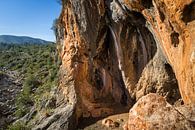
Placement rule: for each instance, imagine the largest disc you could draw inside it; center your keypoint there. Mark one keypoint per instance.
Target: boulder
(152, 112)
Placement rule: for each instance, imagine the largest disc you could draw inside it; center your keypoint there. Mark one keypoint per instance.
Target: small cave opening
(188, 14)
(147, 3)
(175, 39)
(162, 16)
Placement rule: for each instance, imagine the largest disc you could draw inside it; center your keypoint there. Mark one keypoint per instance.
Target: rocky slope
(10, 86)
(114, 52)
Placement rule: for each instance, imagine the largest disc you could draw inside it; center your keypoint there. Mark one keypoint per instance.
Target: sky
(32, 18)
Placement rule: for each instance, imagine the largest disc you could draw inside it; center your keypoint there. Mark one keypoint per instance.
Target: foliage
(38, 64)
(18, 126)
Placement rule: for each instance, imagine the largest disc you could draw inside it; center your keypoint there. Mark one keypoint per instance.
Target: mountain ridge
(21, 39)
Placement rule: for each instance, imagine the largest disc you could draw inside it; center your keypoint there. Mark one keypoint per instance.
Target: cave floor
(97, 125)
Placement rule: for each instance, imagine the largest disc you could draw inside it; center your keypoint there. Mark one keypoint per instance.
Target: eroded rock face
(172, 23)
(152, 112)
(103, 55)
(116, 51)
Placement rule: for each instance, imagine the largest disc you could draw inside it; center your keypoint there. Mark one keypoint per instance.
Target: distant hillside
(21, 39)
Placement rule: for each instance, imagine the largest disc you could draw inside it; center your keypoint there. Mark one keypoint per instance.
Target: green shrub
(21, 111)
(18, 126)
(39, 65)
(30, 83)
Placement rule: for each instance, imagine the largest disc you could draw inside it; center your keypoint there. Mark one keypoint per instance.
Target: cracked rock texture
(152, 112)
(114, 52)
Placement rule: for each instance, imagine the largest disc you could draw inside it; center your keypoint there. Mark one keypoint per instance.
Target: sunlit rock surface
(114, 52)
(152, 112)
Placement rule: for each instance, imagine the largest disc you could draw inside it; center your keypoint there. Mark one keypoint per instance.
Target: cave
(147, 3)
(162, 16)
(189, 13)
(111, 58)
(121, 55)
(175, 39)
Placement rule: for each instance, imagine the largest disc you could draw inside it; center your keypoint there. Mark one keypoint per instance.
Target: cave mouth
(171, 85)
(112, 60)
(115, 47)
(175, 39)
(147, 3)
(188, 14)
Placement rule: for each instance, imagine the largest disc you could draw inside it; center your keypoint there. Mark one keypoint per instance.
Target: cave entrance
(130, 56)
(189, 13)
(124, 55)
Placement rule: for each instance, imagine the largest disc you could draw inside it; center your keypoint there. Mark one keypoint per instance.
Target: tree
(54, 26)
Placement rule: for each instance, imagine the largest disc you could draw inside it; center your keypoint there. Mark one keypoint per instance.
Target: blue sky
(28, 18)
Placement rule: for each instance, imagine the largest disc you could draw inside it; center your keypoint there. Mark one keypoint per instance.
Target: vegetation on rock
(38, 66)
